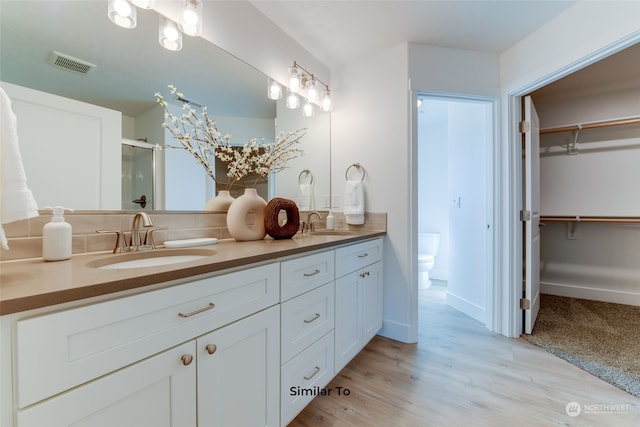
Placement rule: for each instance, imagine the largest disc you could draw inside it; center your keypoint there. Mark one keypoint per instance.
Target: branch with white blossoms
(199, 135)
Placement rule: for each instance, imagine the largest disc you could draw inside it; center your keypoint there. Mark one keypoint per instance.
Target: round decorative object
(245, 217)
(221, 202)
(271, 214)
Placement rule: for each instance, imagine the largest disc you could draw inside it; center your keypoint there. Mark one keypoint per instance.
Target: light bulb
(169, 35)
(307, 109)
(274, 90)
(191, 21)
(294, 79)
(122, 13)
(312, 91)
(293, 101)
(326, 101)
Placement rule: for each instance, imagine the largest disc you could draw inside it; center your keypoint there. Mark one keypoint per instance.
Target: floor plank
(460, 374)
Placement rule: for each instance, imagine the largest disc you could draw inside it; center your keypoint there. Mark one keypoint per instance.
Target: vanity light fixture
(301, 79)
(122, 13)
(274, 90)
(169, 35)
(191, 17)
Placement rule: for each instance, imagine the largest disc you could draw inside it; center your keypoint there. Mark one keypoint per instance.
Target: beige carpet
(601, 338)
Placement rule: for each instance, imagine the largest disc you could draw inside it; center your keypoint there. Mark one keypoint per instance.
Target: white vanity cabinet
(74, 359)
(307, 321)
(358, 298)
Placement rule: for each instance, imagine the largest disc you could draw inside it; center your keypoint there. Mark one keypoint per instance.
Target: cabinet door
(348, 324)
(372, 301)
(157, 392)
(238, 373)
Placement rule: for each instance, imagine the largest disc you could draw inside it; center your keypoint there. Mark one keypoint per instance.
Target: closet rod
(591, 125)
(611, 219)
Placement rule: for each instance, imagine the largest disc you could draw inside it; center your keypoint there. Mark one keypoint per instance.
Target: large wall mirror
(131, 67)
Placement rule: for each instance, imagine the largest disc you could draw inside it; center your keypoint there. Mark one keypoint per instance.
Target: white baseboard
(596, 294)
(396, 331)
(467, 307)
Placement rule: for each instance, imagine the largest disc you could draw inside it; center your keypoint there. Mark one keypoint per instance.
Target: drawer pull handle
(186, 359)
(209, 307)
(314, 373)
(314, 318)
(211, 348)
(316, 271)
(364, 255)
(366, 273)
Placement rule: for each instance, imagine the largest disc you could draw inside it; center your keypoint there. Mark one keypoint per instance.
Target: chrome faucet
(311, 224)
(136, 241)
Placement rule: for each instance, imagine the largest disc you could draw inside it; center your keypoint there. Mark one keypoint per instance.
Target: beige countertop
(34, 283)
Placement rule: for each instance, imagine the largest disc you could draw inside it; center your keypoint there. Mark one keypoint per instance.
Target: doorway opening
(455, 182)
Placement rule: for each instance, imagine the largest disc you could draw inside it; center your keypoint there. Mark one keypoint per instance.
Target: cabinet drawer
(60, 350)
(304, 377)
(303, 274)
(354, 257)
(305, 319)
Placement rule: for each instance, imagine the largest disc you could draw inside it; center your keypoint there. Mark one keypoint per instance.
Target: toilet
(428, 246)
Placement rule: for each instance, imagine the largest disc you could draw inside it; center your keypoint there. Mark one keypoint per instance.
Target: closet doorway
(589, 180)
(455, 139)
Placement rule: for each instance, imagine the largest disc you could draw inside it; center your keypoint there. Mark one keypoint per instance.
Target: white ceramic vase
(221, 202)
(245, 217)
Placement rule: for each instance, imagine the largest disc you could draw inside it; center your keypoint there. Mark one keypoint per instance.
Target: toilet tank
(429, 243)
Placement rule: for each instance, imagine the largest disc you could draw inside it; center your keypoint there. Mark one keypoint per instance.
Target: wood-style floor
(460, 374)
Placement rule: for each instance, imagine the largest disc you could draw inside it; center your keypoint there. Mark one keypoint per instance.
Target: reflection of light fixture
(307, 109)
(419, 102)
(293, 101)
(122, 13)
(143, 4)
(169, 35)
(191, 17)
(299, 78)
(274, 91)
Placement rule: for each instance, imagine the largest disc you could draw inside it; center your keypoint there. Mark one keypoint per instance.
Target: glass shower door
(138, 176)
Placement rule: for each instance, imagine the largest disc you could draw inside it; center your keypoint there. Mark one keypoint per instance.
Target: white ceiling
(336, 32)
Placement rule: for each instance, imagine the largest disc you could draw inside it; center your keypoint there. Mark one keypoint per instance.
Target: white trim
(601, 293)
(467, 307)
(397, 331)
(513, 270)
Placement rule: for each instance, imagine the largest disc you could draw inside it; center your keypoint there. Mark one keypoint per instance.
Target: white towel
(16, 200)
(305, 199)
(354, 202)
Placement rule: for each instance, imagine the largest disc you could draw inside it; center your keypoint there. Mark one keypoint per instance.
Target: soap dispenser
(330, 221)
(56, 237)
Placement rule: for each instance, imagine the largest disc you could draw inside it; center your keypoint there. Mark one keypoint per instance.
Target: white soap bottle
(56, 237)
(330, 221)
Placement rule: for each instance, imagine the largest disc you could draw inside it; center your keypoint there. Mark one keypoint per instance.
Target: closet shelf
(577, 218)
(591, 125)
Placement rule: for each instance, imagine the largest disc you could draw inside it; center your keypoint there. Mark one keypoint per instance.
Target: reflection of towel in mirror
(354, 202)
(305, 198)
(16, 200)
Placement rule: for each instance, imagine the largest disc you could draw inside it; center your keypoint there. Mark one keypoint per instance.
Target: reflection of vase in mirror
(245, 217)
(138, 176)
(221, 202)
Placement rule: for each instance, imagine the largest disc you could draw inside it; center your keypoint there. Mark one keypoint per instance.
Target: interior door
(532, 205)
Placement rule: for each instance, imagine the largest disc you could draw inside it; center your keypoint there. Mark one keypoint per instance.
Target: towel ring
(357, 166)
(305, 172)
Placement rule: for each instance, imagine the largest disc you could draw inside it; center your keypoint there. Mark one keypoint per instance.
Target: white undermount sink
(150, 258)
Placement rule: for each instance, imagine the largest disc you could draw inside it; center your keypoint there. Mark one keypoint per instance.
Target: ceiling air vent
(69, 63)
